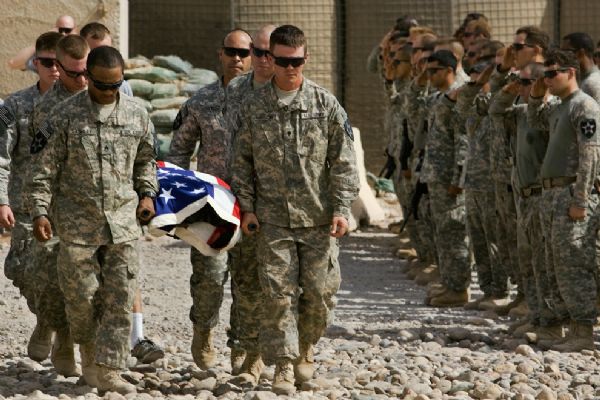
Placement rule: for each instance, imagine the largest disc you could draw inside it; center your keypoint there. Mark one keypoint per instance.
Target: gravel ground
(384, 344)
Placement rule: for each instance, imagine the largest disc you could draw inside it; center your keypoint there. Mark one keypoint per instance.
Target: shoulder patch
(6, 117)
(179, 118)
(588, 127)
(40, 140)
(348, 129)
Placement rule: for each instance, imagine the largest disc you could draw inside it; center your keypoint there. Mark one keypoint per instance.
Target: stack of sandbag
(162, 85)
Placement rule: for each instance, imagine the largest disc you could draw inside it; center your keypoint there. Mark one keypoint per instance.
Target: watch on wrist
(150, 194)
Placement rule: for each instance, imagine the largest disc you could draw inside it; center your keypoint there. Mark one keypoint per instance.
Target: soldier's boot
(523, 329)
(304, 367)
(493, 303)
(580, 337)
(252, 368)
(89, 369)
(203, 351)
(506, 309)
(474, 305)
(513, 326)
(63, 354)
(238, 356)
(406, 254)
(521, 310)
(430, 274)
(542, 333)
(451, 298)
(40, 342)
(414, 270)
(283, 380)
(434, 290)
(109, 380)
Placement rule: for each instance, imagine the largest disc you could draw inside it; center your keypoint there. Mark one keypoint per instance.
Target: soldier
(294, 172)
(71, 55)
(569, 172)
(14, 210)
(201, 119)
(589, 76)
(98, 171)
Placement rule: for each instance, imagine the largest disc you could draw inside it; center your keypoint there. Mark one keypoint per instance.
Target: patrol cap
(404, 23)
(444, 58)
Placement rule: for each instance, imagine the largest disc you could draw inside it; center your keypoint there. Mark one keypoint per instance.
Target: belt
(550, 183)
(531, 191)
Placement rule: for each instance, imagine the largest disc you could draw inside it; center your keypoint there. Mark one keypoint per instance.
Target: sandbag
(172, 102)
(137, 62)
(201, 76)
(173, 63)
(152, 74)
(141, 88)
(164, 143)
(144, 103)
(190, 88)
(164, 90)
(163, 118)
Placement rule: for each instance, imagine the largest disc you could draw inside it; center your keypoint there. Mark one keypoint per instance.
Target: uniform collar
(118, 116)
(299, 103)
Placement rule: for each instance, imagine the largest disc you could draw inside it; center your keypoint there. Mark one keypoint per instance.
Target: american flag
(197, 208)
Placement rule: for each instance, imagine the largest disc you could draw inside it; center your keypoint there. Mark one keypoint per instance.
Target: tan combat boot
(203, 351)
(304, 367)
(89, 369)
(283, 381)
(40, 342)
(523, 329)
(541, 333)
(474, 304)
(109, 380)
(405, 254)
(513, 326)
(252, 368)
(63, 354)
(451, 298)
(434, 290)
(237, 360)
(429, 274)
(493, 303)
(580, 337)
(514, 303)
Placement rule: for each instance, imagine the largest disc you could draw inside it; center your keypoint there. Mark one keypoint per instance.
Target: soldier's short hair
(233, 31)
(288, 35)
(536, 69)
(452, 44)
(47, 41)
(534, 36)
(421, 30)
(468, 18)
(490, 47)
(404, 23)
(428, 41)
(444, 58)
(581, 41)
(94, 30)
(480, 27)
(73, 46)
(562, 58)
(105, 57)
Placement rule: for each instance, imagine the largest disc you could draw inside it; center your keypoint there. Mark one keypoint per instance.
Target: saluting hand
(539, 88)
(42, 230)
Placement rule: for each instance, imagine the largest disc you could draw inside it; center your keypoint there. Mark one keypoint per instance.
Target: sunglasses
(525, 81)
(260, 52)
(468, 34)
(65, 31)
(234, 51)
(486, 57)
(71, 74)
(103, 85)
(520, 46)
(46, 61)
(395, 63)
(551, 74)
(287, 61)
(471, 54)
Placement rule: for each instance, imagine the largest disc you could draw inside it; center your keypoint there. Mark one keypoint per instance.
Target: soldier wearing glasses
(294, 172)
(201, 119)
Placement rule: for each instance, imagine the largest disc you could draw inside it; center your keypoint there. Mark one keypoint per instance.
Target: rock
(38, 395)
(421, 397)
(505, 368)
(524, 350)
(458, 333)
(206, 384)
(565, 396)
(225, 388)
(263, 395)
(444, 385)
(545, 394)
(487, 391)
(418, 388)
(525, 368)
(461, 386)
(113, 396)
(334, 331)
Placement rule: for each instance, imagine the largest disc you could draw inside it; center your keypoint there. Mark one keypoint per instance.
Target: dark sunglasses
(71, 74)
(105, 86)
(395, 63)
(260, 52)
(471, 54)
(287, 61)
(46, 61)
(234, 51)
(520, 46)
(468, 34)
(551, 74)
(65, 31)
(486, 57)
(525, 81)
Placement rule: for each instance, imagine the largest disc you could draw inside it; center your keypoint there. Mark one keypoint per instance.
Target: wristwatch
(150, 194)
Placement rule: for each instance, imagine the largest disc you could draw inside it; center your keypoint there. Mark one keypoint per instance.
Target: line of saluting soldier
(496, 157)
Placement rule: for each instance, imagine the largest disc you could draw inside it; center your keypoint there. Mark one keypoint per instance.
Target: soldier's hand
(453, 94)
(250, 224)
(42, 230)
(577, 213)
(512, 88)
(339, 226)
(454, 190)
(539, 88)
(509, 59)
(145, 210)
(484, 77)
(7, 219)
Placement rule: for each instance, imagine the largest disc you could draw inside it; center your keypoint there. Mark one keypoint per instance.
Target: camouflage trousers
(532, 261)
(506, 232)
(207, 282)
(99, 284)
(404, 191)
(297, 282)
(49, 298)
(19, 264)
(481, 228)
(574, 254)
(449, 219)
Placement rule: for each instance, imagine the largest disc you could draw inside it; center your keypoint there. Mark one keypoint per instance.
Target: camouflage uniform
(201, 119)
(92, 171)
(472, 111)
(14, 162)
(568, 173)
(444, 158)
(295, 168)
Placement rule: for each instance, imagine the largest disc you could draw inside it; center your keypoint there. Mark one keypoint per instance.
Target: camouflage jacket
(45, 103)
(501, 156)
(15, 157)
(237, 89)
(201, 119)
(294, 166)
(590, 83)
(573, 146)
(93, 171)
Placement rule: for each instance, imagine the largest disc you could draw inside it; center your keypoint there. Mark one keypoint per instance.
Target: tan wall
(580, 16)
(24, 20)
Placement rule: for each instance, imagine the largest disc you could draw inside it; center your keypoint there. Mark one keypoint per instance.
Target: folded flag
(197, 208)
